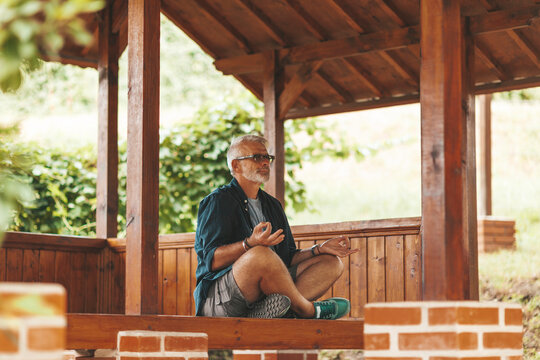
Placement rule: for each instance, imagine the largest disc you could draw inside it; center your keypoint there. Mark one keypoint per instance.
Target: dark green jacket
(224, 219)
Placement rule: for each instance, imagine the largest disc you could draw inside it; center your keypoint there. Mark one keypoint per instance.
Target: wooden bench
(99, 331)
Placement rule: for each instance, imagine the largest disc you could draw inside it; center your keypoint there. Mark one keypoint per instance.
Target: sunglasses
(258, 158)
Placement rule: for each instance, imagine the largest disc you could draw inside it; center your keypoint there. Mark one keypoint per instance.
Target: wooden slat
(358, 277)
(375, 269)
(183, 291)
(160, 282)
(14, 262)
(107, 163)
(395, 283)
(344, 11)
(309, 22)
(91, 270)
(273, 124)
(526, 46)
(77, 282)
(143, 157)
(193, 282)
(504, 20)
(88, 331)
(413, 267)
(47, 260)
(366, 78)
(343, 95)
(30, 265)
(483, 52)
(118, 283)
(62, 273)
(170, 282)
(3, 264)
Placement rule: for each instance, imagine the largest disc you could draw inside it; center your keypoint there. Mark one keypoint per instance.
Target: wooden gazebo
(305, 58)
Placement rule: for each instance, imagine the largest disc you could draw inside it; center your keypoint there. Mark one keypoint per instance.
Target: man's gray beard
(256, 177)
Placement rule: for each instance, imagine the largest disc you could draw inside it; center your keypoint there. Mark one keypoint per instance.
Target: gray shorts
(225, 298)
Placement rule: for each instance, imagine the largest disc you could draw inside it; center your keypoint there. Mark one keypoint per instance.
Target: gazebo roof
(349, 54)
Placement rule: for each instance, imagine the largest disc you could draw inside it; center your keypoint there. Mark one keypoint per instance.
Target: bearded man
(248, 263)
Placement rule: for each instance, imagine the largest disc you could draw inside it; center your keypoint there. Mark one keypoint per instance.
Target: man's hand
(262, 235)
(339, 246)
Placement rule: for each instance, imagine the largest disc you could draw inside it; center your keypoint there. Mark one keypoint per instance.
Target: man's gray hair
(234, 148)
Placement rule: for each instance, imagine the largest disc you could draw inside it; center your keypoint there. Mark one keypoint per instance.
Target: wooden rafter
(311, 24)
(209, 11)
(400, 67)
(345, 12)
(526, 46)
(491, 62)
(392, 13)
(366, 78)
(296, 85)
(343, 95)
(186, 27)
(379, 41)
(265, 22)
(120, 15)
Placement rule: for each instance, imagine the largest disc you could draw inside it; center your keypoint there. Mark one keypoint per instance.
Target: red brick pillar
(449, 330)
(275, 354)
(139, 345)
(32, 321)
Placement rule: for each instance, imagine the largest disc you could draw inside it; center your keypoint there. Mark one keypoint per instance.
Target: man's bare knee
(257, 259)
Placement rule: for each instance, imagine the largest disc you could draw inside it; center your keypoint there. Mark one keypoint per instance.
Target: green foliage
(29, 28)
(192, 164)
(14, 191)
(520, 95)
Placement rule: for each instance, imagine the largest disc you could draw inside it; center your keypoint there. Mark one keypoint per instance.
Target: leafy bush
(192, 164)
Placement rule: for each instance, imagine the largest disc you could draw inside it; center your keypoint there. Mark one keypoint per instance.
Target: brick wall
(495, 234)
(450, 330)
(157, 345)
(275, 354)
(32, 321)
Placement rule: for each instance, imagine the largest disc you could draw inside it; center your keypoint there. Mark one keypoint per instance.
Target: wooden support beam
(273, 124)
(447, 157)
(107, 161)
(296, 85)
(99, 331)
(484, 155)
(353, 106)
(143, 158)
(503, 20)
(265, 22)
(229, 29)
(392, 13)
(120, 15)
(508, 85)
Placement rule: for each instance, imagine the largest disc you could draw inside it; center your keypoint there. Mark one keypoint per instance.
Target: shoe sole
(272, 306)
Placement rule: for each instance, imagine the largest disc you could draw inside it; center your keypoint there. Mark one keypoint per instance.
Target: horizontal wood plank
(24, 240)
(90, 331)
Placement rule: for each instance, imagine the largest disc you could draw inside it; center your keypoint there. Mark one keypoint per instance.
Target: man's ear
(236, 167)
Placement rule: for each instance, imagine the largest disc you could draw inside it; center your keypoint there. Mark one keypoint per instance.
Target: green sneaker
(332, 308)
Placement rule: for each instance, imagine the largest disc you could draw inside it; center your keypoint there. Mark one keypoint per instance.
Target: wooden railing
(387, 267)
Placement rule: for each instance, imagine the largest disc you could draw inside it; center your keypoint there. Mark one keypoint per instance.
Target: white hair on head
(234, 148)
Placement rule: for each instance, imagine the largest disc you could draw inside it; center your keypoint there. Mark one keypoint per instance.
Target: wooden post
(448, 209)
(484, 157)
(143, 158)
(107, 163)
(273, 124)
